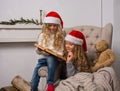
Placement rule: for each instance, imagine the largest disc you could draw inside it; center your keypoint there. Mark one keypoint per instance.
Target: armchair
(93, 34)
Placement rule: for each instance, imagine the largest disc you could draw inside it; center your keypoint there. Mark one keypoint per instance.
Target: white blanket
(103, 80)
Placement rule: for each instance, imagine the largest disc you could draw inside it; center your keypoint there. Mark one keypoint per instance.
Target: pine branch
(20, 21)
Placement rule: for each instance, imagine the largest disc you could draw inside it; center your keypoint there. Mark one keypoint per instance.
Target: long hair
(58, 38)
(80, 59)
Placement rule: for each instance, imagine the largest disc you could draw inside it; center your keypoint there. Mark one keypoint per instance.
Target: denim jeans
(51, 62)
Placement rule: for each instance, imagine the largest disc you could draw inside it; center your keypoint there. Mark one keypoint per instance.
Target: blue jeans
(51, 62)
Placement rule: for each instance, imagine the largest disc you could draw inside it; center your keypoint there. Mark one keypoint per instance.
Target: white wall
(107, 12)
(73, 12)
(116, 34)
(16, 59)
(20, 58)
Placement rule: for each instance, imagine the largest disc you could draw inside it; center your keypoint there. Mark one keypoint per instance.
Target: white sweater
(50, 46)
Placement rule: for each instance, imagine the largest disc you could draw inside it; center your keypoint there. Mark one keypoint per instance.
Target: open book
(49, 51)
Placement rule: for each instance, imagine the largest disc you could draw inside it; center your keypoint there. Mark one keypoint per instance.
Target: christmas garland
(20, 21)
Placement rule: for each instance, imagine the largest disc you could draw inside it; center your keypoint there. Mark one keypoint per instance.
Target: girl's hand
(69, 56)
(40, 49)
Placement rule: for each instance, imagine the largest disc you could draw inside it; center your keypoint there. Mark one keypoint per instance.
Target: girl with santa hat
(52, 37)
(75, 53)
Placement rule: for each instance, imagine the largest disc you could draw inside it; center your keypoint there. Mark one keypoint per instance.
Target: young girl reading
(75, 53)
(52, 37)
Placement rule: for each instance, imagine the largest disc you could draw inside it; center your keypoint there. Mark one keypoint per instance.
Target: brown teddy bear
(105, 56)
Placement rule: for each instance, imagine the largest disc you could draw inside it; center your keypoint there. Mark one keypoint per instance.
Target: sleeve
(70, 69)
(40, 37)
(41, 52)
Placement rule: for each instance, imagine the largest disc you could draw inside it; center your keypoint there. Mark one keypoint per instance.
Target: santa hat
(77, 37)
(53, 17)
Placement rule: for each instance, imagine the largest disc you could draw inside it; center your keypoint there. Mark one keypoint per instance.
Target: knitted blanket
(103, 80)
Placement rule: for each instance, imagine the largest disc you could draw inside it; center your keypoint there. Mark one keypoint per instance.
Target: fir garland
(20, 21)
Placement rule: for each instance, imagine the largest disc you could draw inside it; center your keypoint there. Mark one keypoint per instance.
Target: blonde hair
(80, 59)
(58, 38)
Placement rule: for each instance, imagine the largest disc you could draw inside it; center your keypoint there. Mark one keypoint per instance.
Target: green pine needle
(20, 21)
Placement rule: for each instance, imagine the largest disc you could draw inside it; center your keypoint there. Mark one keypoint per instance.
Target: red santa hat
(53, 17)
(78, 38)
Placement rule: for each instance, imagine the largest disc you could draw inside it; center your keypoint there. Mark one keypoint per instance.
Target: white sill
(20, 26)
(19, 33)
(18, 40)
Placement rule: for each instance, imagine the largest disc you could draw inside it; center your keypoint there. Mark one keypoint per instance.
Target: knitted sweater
(50, 46)
(70, 69)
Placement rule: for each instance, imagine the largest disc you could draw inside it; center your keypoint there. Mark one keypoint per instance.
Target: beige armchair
(93, 34)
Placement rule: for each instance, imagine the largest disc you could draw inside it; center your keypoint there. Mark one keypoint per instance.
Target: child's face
(69, 46)
(53, 27)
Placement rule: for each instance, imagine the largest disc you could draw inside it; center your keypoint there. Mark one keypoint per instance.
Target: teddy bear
(105, 56)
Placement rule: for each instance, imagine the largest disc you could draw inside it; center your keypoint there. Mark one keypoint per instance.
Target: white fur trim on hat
(74, 40)
(52, 20)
